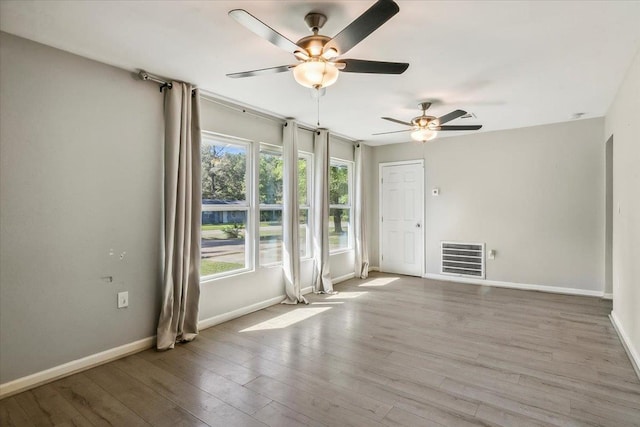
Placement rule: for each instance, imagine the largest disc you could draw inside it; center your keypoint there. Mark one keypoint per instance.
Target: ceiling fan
(424, 128)
(318, 63)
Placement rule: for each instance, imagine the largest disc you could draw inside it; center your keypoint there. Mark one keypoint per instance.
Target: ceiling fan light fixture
(315, 74)
(423, 135)
(330, 53)
(300, 55)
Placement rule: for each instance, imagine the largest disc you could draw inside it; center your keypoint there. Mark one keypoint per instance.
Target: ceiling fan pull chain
(318, 89)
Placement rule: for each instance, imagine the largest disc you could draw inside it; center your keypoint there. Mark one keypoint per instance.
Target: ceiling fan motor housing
(314, 44)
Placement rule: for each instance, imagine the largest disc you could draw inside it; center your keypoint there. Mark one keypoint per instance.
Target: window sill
(340, 251)
(209, 279)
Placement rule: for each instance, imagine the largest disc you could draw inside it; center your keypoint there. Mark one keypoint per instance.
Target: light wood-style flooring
(390, 350)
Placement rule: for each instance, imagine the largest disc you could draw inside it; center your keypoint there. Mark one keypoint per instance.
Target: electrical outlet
(123, 299)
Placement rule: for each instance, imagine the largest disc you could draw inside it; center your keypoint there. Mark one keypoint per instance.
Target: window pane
(304, 234)
(223, 241)
(270, 186)
(339, 185)
(302, 181)
(270, 236)
(224, 172)
(339, 229)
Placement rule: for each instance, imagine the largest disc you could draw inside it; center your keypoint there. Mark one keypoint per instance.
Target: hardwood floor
(386, 351)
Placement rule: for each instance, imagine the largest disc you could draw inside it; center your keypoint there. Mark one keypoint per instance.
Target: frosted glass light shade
(423, 135)
(315, 74)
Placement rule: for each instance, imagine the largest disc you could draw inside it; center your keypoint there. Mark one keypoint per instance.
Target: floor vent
(462, 259)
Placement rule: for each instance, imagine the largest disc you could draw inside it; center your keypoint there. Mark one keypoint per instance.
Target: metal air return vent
(462, 259)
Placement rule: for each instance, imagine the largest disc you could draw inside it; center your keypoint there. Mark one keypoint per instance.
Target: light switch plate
(123, 299)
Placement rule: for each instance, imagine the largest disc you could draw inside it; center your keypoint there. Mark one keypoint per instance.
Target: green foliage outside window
(338, 193)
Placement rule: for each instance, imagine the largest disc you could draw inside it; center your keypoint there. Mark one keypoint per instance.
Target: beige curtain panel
(322, 282)
(291, 215)
(361, 268)
(182, 216)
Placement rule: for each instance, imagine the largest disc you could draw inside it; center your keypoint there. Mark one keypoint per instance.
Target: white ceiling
(512, 64)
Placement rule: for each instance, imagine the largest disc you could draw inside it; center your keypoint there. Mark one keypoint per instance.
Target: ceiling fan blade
(374, 67)
(396, 121)
(452, 115)
(459, 127)
(395, 131)
(263, 30)
(362, 26)
(271, 70)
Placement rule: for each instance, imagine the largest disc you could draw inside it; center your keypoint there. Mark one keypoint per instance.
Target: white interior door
(402, 217)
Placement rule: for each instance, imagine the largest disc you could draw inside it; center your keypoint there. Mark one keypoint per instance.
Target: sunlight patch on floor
(380, 281)
(287, 319)
(327, 302)
(346, 295)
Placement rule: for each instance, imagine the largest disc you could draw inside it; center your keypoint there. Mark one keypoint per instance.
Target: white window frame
(349, 164)
(247, 206)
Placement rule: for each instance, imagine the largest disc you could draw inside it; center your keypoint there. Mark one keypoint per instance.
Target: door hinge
(381, 180)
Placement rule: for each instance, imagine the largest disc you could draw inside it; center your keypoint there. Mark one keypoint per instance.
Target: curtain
(361, 267)
(182, 215)
(321, 274)
(291, 215)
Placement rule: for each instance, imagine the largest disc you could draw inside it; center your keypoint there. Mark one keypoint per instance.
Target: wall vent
(462, 259)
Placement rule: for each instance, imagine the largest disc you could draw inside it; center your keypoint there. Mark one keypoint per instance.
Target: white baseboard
(224, 317)
(374, 268)
(233, 314)
(25, 383)
(607, 296)
(626, 343)
(336, 280)
(513, 285)
(73, 367)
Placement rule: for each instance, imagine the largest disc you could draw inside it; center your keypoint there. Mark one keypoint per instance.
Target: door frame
(381, 165)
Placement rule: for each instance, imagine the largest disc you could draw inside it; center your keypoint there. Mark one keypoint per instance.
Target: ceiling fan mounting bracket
(315, 21)
(424, 106)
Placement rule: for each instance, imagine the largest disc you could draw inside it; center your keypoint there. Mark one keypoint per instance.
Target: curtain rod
(153, 78)
(216, 99)
(148, 77)
(230, 104)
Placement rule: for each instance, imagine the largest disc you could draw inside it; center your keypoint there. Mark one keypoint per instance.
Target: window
(304, 192)
(339, 205)
(225, 206)
(270, 195)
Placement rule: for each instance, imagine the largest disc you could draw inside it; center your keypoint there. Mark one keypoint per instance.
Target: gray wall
(81, 152)
(81, 173)
(535, 195)
(622, 122)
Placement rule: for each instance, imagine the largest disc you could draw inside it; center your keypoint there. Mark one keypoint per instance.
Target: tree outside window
(225, 209)
(270, 181)
(339, 205)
